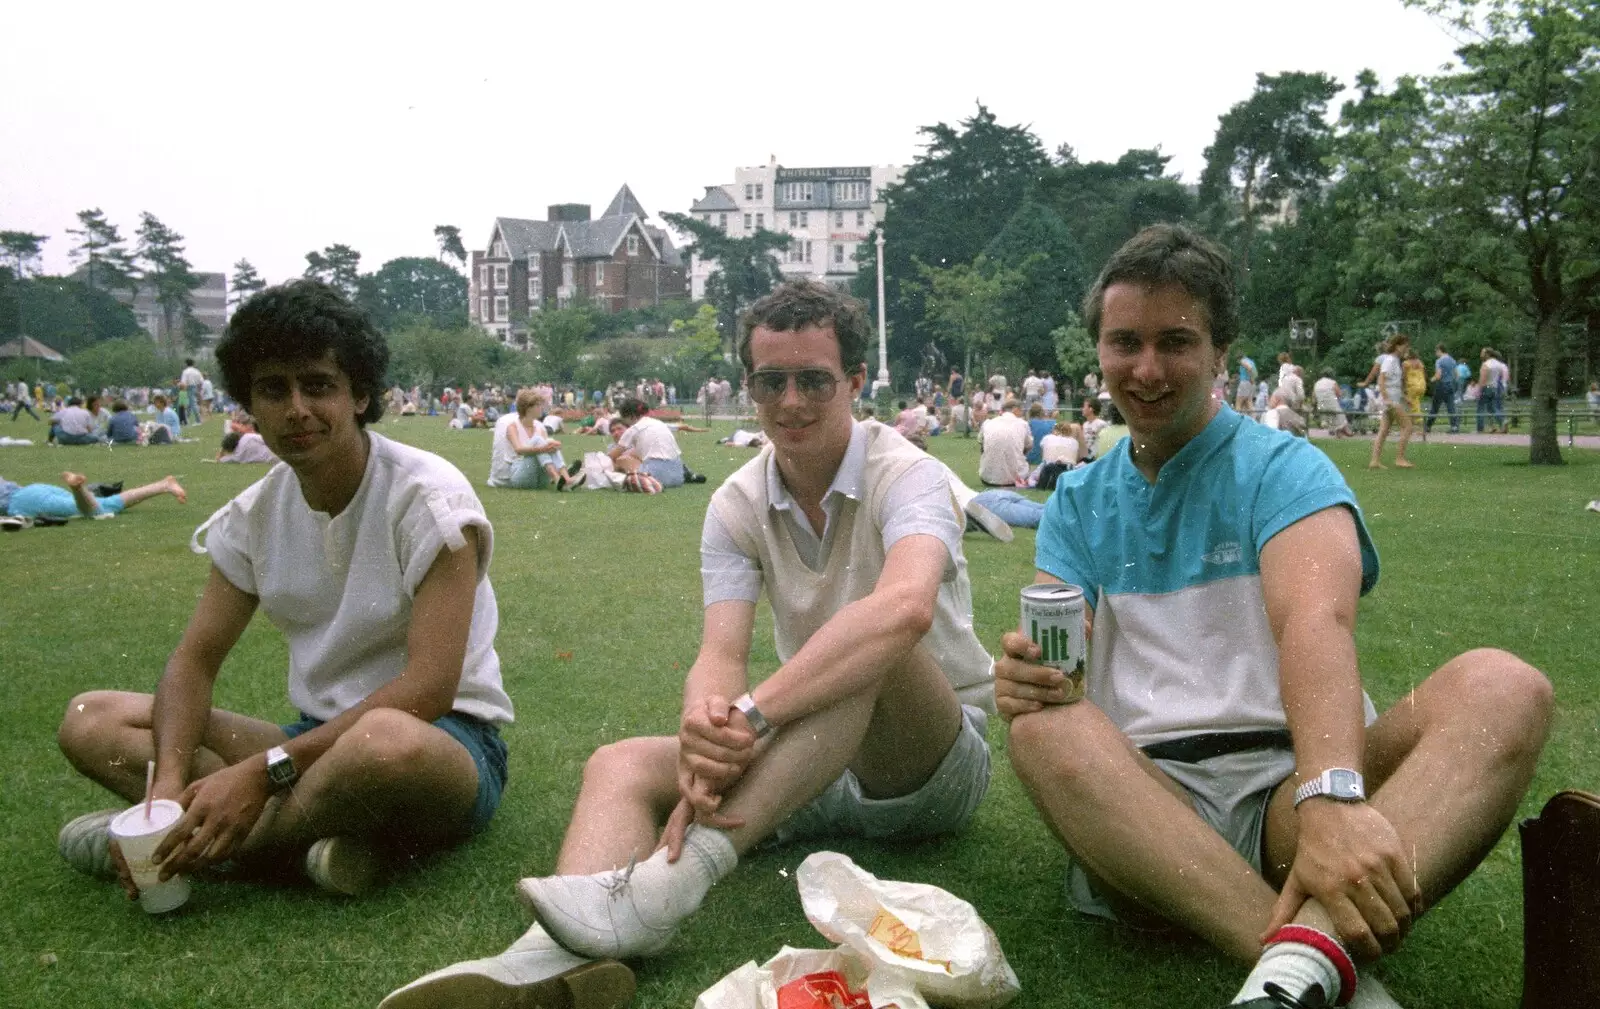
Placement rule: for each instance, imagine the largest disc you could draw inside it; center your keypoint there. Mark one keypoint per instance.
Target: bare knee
(1508, 700)
(387, 745)
(1042, 748)
(94, 720)
(626, 766)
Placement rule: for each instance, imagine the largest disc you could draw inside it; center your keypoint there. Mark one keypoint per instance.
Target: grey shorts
(943, 804)
(1229, 792)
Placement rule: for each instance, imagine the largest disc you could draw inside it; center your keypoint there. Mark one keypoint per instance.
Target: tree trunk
(1543, 448)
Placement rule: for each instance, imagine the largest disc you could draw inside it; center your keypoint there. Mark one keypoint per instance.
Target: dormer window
(633, 245)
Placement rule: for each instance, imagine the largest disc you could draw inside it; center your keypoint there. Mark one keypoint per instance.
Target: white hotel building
(827, 212)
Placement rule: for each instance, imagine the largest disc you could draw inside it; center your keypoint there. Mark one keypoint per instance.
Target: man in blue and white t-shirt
(1221, 563)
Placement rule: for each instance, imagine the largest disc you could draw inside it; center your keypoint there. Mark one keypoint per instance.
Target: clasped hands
(715, 748)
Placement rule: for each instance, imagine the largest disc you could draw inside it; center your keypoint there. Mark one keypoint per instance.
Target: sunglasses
(815, 384)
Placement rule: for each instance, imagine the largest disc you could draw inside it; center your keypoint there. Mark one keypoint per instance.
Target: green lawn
(599, 600)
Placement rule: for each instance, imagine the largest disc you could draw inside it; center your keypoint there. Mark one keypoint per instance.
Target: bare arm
(856, 647)
(1348, 856)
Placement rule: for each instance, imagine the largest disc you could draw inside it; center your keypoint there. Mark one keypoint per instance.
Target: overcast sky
(263, 131)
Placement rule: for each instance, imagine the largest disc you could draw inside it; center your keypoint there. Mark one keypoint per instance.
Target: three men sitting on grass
(372, 557)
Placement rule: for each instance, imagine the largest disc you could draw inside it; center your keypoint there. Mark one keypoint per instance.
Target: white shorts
(1230, 793)
(943, 804)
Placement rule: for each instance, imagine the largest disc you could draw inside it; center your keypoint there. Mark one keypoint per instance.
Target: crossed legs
(1446, 766)
(388, 773)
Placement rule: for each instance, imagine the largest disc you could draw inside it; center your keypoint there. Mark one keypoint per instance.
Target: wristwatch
(280, 768)
(1338, 783)
(752, 714)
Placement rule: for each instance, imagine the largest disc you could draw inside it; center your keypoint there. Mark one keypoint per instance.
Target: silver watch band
(1341, 784)
(752, 714)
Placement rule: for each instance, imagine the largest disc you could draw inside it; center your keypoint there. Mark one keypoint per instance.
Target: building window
(759, 187)
(747, 222)
(483, 310)
(535, 290)
(805, 218)
(794, 219)
(838, 218)
(761, 221)
(502, 309)
(849, 192)
(799, 250)
(722, 221)
(749, 191)
(861, 218)
(838, 253)
(483, 278)
(498, 250)
(499, 278)
(797, 192)
(633, 245)
(706, 218)
(599, 274)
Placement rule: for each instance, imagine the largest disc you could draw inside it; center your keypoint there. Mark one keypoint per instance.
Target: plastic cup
(138, 836)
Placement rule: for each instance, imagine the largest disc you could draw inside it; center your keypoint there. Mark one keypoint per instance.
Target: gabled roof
(663, 242)
(625, 203)
(524, 237)
(716, 198)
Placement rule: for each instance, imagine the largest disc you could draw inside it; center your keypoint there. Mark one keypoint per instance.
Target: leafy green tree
(245, 283)
(449, 239)
(23, 249)
(954, 199)
(69, 315)
(1076, 353)
(339, 265)
(746, 267)
(433, 356)
(414, 288)
(10, 312)
(167, 273)
(1108, 202)
(108, 263)
(129, 361)
(1039, 247)
(1269, 147)
(559, 336)
(965, 304)
(1509, 175)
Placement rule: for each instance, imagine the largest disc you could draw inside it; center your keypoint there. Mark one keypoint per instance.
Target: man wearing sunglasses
(871, 726)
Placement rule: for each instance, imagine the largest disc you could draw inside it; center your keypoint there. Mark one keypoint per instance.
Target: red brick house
(616, 261)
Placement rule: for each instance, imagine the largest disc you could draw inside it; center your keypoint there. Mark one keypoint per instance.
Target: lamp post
(883, 346)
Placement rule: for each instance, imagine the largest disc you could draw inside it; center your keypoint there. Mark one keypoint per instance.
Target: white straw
(149, 787)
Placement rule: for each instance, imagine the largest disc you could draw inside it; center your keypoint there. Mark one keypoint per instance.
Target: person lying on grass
(46, 500)
(872, 725)
(1225, 772)
(372, 557)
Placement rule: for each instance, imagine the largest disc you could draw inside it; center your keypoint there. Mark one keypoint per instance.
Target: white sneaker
(633, 911)
(534, 973)
(988, 521)
(1593, 506)
(342, 865)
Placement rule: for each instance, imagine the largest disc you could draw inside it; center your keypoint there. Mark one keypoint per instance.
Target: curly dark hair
(1172, 254)
(302, 321)
(632, 408)
(801, 303)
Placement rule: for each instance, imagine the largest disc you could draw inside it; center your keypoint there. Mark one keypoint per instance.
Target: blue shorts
(57, 502)
(668, 471)
(482, 741)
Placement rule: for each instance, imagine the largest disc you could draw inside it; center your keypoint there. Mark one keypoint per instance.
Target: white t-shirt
(191, 376)
(1059, 448)
(1003, 443)
(1391, 380)
(1293, 390)
(502, 456)
(340, 588)
(648, 438)
(1326, 394)
(1032, 386)
(551, 422)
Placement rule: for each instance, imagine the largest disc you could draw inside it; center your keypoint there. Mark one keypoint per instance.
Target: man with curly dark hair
(372, 558)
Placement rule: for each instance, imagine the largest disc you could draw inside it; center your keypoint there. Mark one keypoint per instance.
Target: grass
(599, 601)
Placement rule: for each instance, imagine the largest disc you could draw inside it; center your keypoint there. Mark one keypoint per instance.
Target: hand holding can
(1053, 619)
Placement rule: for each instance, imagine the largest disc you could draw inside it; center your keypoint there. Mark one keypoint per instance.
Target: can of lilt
(1052, 616)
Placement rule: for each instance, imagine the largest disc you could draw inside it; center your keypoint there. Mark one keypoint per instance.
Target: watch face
(1343, 784)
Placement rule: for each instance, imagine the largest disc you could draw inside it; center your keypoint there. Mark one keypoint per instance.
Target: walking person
(1444, 390)
(1389, 376)
(1493, 377)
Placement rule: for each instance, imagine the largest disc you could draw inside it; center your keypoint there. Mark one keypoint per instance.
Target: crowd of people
(1266, 807)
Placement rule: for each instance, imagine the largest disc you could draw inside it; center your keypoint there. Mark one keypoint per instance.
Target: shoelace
(617, 885)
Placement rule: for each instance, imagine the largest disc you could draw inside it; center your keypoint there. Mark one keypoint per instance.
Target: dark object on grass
(106, 489)
(1560, 912)
(49, 520)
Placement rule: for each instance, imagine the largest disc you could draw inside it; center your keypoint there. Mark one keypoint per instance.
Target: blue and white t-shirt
(1182, 644)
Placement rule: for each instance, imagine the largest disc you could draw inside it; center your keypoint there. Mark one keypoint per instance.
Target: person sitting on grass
(167, 429)
(248, 447)
(647, 445)
(26, 503)
(73, 425)
(523, 455)
(123, 428)
(871, 726)
(1224, 771)
(372, 558)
